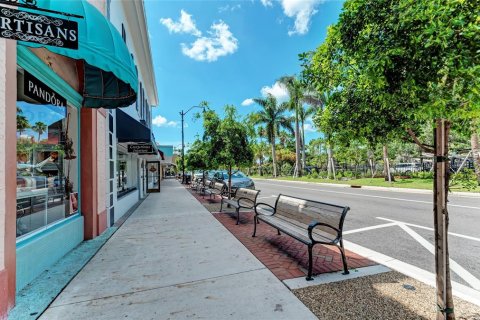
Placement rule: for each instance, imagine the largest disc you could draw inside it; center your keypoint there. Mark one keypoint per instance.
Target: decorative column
(8, 160)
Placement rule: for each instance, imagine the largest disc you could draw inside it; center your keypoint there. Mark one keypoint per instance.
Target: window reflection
(47, 164)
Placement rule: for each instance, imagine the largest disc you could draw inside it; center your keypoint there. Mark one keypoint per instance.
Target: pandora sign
(32, 27)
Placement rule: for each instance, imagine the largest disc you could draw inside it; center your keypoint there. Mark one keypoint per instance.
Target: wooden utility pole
(440, 194)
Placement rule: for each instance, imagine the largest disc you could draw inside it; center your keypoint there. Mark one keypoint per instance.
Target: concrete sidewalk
(173, 260)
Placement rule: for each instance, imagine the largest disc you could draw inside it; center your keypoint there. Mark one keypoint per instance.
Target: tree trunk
(274, 160)
(386, 166)
(475, 151)
(330, 162)
(440, 198)
(229, 182)
(297, 143)
(304, 160)
(371, 162)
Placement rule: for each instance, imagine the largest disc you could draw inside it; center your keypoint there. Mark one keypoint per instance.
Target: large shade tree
(272, 116)
(226, 140)
(396, 65)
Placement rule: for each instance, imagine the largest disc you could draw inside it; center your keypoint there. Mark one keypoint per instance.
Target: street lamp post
(182, 113)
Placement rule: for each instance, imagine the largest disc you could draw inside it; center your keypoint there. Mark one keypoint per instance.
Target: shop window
(126, 174)
(47, 161)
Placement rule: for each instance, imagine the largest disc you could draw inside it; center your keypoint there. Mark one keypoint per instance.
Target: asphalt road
(411, 241)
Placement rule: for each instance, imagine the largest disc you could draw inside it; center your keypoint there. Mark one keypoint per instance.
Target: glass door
(153, 176)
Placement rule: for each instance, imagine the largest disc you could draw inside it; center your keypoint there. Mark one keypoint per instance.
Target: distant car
(239, 179)
(198, 174)
(406, 168)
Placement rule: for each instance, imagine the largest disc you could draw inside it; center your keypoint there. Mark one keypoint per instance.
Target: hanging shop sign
(140, 148)
(37, 90)
(38, 28)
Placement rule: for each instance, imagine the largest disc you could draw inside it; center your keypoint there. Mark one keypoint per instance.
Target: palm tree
(22, 123)
(315, 101)
(295, 91)
(40, 128)
(273, 117)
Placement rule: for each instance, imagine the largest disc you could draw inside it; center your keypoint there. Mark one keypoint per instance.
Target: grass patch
(411, 183)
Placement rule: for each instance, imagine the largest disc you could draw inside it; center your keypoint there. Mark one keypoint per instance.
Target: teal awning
(109, 76)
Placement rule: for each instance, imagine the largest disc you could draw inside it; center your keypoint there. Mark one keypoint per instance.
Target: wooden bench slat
(310, 222)
(243, 198)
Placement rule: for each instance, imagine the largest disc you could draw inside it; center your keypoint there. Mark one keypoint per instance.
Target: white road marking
(372, 196)
(455, 267)
(459, 290)
(378, 226)
(431, 229)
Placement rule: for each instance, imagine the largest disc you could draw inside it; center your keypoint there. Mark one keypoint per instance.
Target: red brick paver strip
(286, 257)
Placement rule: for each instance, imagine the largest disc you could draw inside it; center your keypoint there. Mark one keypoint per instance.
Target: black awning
(131, 130)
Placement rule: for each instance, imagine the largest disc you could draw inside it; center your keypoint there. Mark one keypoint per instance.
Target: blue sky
(226, 52)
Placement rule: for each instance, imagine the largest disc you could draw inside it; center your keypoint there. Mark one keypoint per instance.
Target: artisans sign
(37, 90)
(33, 27)
(140, 148)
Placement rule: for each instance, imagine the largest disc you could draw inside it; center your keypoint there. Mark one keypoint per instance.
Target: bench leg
(238, 215)
(344, 259)
(278, 232)
(255, 221)
(310, 263)
(221, 205)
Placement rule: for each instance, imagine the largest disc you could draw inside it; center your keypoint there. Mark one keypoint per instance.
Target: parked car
(198, 174)
(407, 168)
(239, 179)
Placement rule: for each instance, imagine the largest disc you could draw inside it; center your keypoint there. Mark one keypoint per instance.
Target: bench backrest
(219, 186)
(303, 212)
(244, 193)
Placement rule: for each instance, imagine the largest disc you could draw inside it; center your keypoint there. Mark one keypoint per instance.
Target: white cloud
(230, 8)
(278, 90)
(220, 42)
(160, 121)
(302, 11)
(185, 25)
(267, 3)
(248, 102)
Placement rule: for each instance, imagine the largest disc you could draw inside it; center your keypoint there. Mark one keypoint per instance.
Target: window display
(47, 163)
(126, 175)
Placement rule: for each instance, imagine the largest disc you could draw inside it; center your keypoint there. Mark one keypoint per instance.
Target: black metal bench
(242, 198)
(310, 222)
(215, 189)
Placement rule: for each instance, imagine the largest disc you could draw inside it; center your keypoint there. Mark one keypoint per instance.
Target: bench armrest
(247, 199)
(263, 204)
(314, 224)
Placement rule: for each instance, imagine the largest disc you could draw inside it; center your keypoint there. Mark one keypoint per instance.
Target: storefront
(61, 137)
(48, 219)
(134, 149)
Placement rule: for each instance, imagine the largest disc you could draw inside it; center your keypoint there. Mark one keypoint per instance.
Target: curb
(392, 189)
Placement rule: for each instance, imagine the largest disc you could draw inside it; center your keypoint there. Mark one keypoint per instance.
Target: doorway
(153, 176)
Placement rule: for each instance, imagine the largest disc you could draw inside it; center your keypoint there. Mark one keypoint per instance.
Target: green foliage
(272, 116)
(392, 65)
(226, 140)
(287, 169)
(197, 157)
(39, 128)
(465, 179)
(22, 123)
